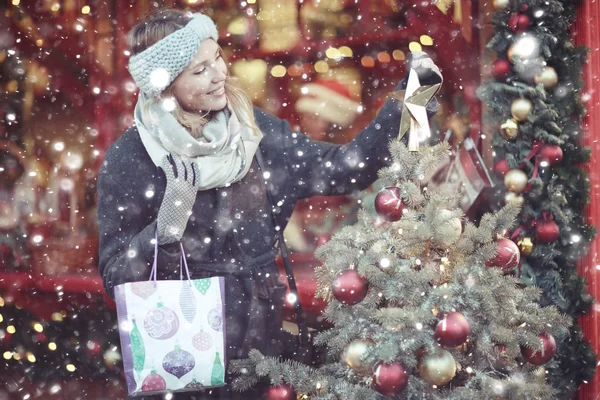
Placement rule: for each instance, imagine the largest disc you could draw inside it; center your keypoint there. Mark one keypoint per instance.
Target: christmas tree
(421, 306)
(536, 102)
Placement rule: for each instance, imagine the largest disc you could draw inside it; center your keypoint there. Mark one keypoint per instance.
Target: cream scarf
(223, 154)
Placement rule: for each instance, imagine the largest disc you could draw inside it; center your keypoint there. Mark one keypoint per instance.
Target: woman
(186, 171)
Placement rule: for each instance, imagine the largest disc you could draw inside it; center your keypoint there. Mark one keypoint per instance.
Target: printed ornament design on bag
(161, 322)
(187, 302)
(217, 377)
(138, 349)
(194, 384)
(178, 362)
(215, 318)
(153, 382)
(202, 285)
(202, 341)
(143, 289)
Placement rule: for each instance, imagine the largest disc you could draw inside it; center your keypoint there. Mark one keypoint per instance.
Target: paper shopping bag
(172, 334)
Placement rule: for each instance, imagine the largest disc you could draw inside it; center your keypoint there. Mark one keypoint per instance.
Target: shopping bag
(172, 332)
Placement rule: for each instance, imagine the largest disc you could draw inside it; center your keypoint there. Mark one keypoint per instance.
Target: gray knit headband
(156, 67)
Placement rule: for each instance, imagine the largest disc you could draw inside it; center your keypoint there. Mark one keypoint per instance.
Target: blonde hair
(162, 23)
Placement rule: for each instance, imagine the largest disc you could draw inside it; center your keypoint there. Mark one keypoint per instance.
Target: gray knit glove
(180, 196)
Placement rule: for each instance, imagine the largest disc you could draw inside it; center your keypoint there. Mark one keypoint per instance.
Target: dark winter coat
(230, 232)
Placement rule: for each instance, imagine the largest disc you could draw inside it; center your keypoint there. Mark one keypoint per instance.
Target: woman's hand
(427, 71)
(180, 195)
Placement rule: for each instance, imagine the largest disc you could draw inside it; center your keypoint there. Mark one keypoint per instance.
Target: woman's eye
(199, 72)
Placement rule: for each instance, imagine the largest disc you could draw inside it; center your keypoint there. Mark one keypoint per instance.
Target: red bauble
(546, 232)
(452, 330)
(93, 348)
(281, 392)
(389, 379)
(501, 69)
(519, 22)
(543, 356)
(501, 168)
(349, 287)
(507, 257)
(551, 153)
(389, 204)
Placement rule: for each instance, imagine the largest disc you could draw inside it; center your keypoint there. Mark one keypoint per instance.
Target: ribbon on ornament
(415, 99)
(536, 147)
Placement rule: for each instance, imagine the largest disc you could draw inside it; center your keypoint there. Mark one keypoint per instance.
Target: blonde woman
(187, 172)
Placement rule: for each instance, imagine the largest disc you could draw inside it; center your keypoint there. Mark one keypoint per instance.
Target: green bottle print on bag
(137, 349)
(218, 372)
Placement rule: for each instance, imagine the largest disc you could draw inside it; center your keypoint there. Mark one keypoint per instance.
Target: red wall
(587, 33)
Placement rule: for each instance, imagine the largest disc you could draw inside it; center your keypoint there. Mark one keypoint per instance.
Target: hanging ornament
(514, 199)
(153, 382)
(509, 129)
(501, 69)
(525, 246)
(178, 362)
(389, 204)
(389, 379)
(112, 359)
(500, 5)
(519, 22)
(438, 369)
(350, 287)
(526, 48)
(551, 153)
(543, 356)
(515, 180)
(546, 232)
(540, 374)
(521, 109)
(507, 255)
(449, 231)
(353, 354)
(281, 392)
(161, 322)
(547, 77)
(452, 330)
(501, 168)
(92, 349)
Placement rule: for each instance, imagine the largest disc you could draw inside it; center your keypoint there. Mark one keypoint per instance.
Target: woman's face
(201, 86)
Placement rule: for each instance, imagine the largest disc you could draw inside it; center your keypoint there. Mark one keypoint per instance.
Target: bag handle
(304, 335)
(182, 260)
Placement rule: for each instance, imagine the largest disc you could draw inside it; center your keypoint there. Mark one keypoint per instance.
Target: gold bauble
(547, 77)
(500, 5)
(525, 48)
(540, 374)
(521, 109)
(509, 129)
(353, 354)
(438, 369)
(525, 246)
(515, 180)
(514, 198)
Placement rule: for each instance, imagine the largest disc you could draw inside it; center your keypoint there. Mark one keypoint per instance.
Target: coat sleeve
(126, 224)
(319, 168)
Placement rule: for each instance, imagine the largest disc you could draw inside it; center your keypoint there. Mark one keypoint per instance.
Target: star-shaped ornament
(414, 113)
